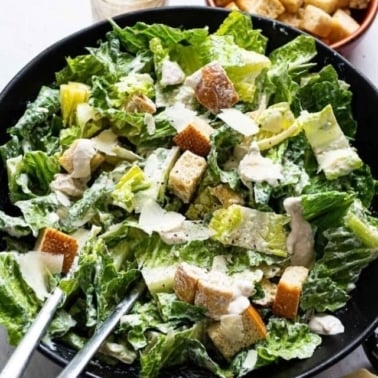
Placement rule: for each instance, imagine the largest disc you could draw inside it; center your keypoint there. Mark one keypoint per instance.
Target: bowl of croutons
(338, 23)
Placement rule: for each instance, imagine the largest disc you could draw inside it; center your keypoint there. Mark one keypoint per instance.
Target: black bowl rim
(43, 347)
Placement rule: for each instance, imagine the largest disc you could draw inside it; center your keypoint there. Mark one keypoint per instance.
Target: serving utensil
(81, 359)
(20, 358)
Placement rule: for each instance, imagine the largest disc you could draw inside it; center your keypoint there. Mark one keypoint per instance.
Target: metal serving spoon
(20, 358)
(81, 359)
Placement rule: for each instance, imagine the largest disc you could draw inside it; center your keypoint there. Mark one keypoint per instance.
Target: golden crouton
(317, 21)
(267, 8)
(56, 242)
(293, 19)
(358, 4)
(292, 6)
(221, 3)
(344, 25)
(232, 6)
(215, 91)
(214, 295)
(186, 175)
(289, 291)
(235, 332)
(328, 6)
(186, 281)
(195, 137)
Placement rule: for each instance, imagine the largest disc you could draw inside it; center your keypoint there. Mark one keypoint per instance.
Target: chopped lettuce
(128, 97)
(286, 340)
(126, 189)
(332, 150)
(251, 229)
(334, 275)
(19, 303)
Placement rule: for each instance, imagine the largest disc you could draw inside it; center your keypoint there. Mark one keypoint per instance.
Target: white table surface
(29, 26)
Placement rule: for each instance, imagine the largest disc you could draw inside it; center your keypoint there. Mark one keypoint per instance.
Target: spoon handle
(20, 358)
(81, 359)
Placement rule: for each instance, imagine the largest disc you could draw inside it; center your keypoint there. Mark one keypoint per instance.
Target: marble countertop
(28, 27)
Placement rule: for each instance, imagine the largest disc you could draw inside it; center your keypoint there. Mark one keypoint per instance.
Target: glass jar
(103, 9)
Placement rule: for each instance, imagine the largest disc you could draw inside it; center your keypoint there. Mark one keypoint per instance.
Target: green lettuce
(252, 229)
(334, 275)
(239, 26)
(19, 302)
(286, 340)
(126, 189)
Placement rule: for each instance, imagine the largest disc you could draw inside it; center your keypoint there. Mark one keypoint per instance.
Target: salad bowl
(360, 315)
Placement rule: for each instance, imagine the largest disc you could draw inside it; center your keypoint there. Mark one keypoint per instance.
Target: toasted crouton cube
(195, 137)
(328, 6)
(235, 332)
(293, 19)
(267, 8)
(289, 291)
(186, 175)
(221, 3)
(317, 21)
(215, 91)
(215, 294)
(292, 6)
(186, 280)
(232, 6)
(358, 4)
(344, 25)
(56, 242)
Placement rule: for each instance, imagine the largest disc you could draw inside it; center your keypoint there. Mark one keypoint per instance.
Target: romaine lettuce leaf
(334, 275)
(19, 303)
(251, 229)
(239, 25)
(325, 88)
(286, 340)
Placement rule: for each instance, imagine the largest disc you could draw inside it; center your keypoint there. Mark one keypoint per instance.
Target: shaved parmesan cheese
(171, 73)
(257, 168)
(155, 218)
(239, 121)
(36, 266)
(179, 116)
(107, 143)
(188, 231)
(149, 121)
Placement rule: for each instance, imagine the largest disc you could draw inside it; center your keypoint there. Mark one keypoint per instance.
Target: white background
(29, 26)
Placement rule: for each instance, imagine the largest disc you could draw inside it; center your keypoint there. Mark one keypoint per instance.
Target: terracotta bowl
(364, 17)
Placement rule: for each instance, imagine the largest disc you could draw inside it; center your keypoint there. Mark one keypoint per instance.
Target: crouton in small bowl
(338, 23)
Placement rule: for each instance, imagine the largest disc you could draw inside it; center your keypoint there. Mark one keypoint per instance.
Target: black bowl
(360, 316)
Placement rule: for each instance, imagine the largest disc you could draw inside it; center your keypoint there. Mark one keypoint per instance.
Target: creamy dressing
(82, 153)
(238, 305)
(300, 242)
(257, 168)
(324, 324)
